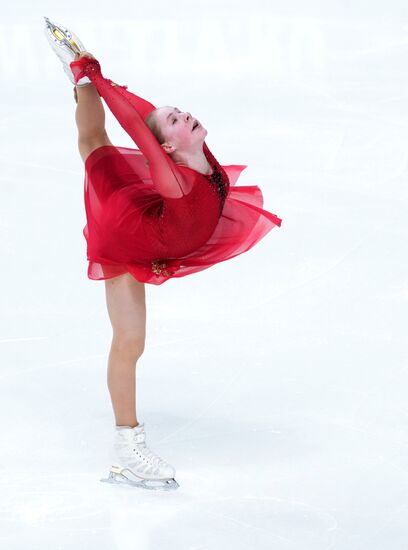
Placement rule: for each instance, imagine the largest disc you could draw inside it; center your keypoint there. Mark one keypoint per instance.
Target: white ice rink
(275, 382)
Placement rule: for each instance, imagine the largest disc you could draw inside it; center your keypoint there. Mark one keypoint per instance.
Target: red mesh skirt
(127, 221)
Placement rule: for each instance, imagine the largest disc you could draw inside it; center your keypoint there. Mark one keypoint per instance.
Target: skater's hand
(85, 64)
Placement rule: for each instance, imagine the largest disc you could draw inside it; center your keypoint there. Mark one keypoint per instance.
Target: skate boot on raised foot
(66, 45)
(135, 464)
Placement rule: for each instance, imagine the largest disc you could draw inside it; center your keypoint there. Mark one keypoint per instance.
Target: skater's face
(179, 128)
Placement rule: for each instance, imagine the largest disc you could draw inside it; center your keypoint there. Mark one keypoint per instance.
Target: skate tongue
(139, 427)
(136, 434)
(139, 437)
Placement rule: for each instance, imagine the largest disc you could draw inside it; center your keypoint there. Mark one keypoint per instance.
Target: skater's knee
(128, 345)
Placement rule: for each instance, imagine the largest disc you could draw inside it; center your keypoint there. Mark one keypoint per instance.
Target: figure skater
(161, 211)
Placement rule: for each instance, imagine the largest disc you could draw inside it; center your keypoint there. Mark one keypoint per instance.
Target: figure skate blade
(116, 476)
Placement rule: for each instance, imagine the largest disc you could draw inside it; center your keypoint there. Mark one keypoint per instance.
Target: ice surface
(275, 383)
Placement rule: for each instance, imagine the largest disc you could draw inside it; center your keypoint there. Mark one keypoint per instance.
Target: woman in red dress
(168, 209)
(161, 211)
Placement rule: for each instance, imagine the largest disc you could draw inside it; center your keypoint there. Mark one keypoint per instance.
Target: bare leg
(90, 120)
(125, 299)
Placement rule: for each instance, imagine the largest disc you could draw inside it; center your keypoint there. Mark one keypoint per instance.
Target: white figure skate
(135, 464)
(65, 44)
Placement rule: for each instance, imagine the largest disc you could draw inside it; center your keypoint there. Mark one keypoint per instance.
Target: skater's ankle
(132, 425)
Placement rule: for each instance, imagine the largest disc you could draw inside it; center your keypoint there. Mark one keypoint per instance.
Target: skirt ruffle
(242, 224)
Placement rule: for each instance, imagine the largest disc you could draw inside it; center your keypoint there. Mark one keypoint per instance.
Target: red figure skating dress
(151, 217)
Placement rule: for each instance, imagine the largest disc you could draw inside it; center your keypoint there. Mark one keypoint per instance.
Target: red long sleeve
(164, 221)
(130, 111)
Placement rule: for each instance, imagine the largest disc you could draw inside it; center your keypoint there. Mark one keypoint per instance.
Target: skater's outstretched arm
(130, 110)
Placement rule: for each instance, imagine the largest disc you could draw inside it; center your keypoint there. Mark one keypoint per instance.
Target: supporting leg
(125, 299)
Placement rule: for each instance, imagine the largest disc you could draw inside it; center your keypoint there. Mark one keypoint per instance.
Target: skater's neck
(196, 160)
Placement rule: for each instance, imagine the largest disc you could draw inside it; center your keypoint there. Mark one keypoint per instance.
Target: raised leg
(90, 120)
(125, 299)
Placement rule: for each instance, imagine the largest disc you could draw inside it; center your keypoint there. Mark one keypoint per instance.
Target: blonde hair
(153, 123)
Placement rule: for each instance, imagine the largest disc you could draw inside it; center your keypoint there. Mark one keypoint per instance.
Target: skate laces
(138, 443)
